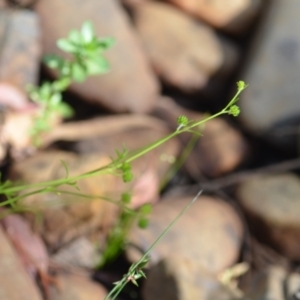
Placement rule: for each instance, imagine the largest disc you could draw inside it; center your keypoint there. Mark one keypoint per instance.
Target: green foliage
(117, 238)
(119, 166)
(86, 59)
(86, 50)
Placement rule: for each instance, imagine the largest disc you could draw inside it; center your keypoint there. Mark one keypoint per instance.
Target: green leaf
(66, 167)
(75, 37)
(45, 91)
(97, 65)
(87, 31)
(53, 61)
(66, 45)
(55, 99)
(78, 72)
(105, 43)
(65, 110)
(61, 84)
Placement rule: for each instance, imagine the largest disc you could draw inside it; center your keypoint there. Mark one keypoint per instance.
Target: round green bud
(241, 85)
(143, 223)
(126, 198)
(126, 167)
(234, 110)
(182, 120)
(127, 176)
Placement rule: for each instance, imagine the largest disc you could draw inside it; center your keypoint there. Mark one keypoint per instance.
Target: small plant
(86, 59)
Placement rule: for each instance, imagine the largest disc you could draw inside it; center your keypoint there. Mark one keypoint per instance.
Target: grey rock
(175, 278)
(271, 104)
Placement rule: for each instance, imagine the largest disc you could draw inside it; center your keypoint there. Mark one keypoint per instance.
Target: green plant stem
(111, 168)
(132, 270)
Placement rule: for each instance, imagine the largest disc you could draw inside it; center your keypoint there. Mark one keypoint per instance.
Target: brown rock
(175, 278)
(74, 287)
(183, 52)
(15, 283)
(63, 221)
(191, 236)
(233, 16)
(272, 203)
(130, 85)
(28, 244)
(221, 148)
(271, 102)
(3, 4)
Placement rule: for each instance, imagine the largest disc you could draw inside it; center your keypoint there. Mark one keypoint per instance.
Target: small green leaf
(87, 32)
(55, 99)
(53, 61)
(66, 45)
(66, 167)
(65, 110)
(45, 91)
(78, 72)
(61, 84)
(97, 65)
(105, 43)
(75, 37)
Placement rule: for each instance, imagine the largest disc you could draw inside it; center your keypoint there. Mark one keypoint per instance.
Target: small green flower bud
(126, 198)
(234, 110)
(143, 223)
(126, 167)
(127, 176)
(182, 121)
(241, 85)
(146, 208)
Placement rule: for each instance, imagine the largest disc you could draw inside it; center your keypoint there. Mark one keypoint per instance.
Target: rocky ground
(241, 238)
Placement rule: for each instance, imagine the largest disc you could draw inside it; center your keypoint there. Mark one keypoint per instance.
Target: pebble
(130, 85)
(72, 287)
(184, 53)
(180, 278)
(234, 16)
(15, 283)
(20, 53)
(191, 237)
(274, 283)
(272, 203)
(270, 104)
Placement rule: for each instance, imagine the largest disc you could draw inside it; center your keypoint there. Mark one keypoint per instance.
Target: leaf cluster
(85, 50)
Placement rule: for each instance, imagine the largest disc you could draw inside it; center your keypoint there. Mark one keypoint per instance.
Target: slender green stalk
(135, 271)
